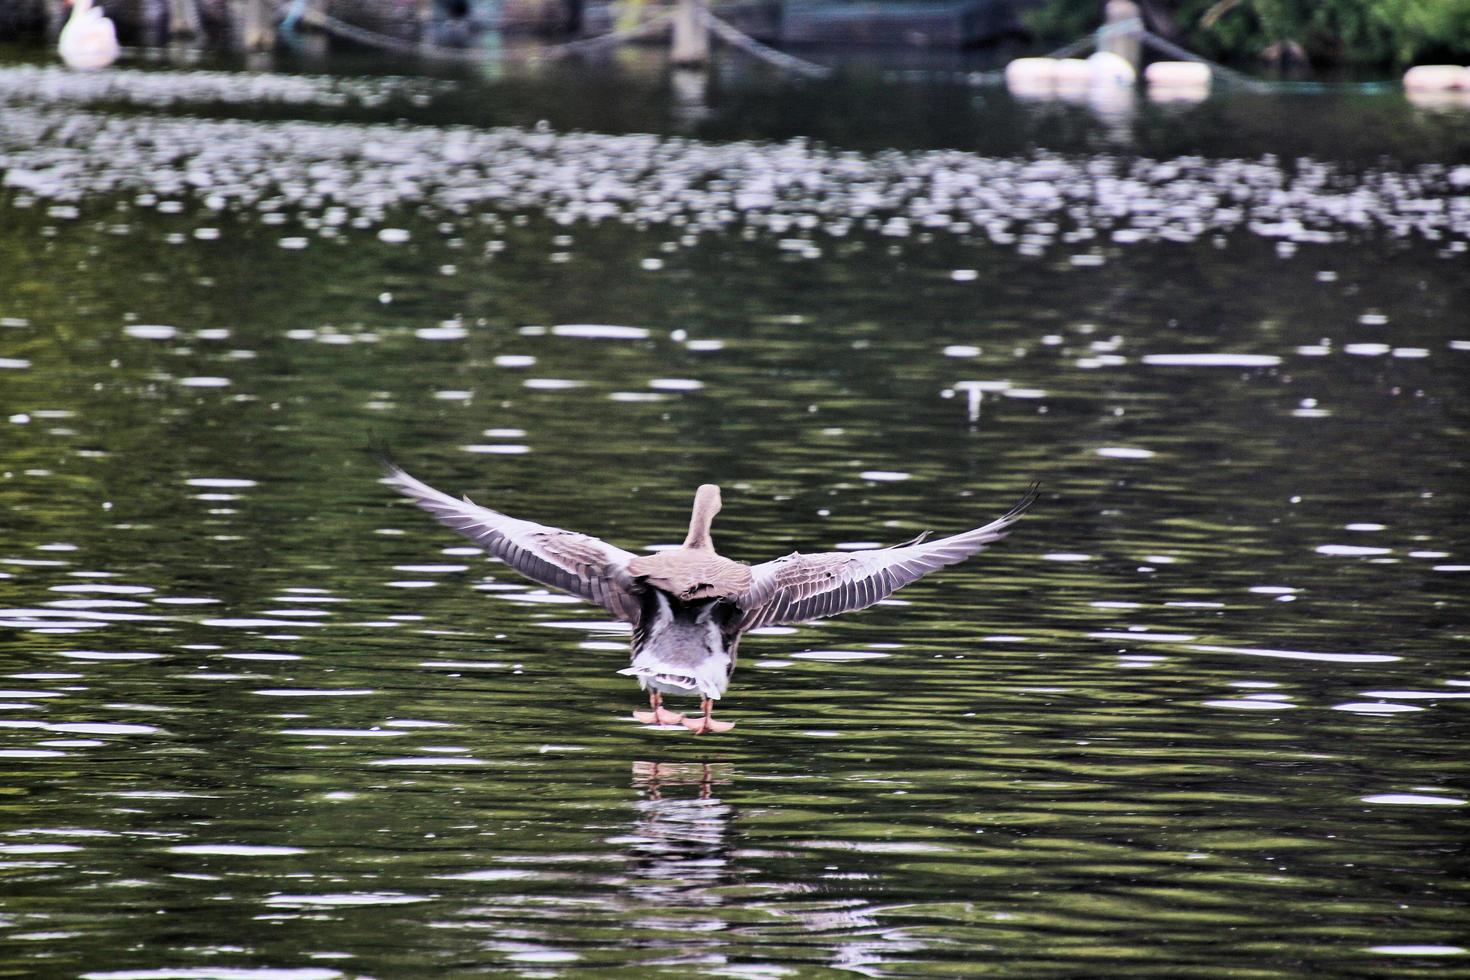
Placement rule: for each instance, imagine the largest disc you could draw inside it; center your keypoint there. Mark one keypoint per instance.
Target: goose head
(706, 506)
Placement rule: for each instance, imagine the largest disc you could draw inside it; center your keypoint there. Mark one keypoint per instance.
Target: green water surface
(1202, 715)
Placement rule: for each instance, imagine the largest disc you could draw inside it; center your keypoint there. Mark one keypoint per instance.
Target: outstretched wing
(585, 566)
(802, 587)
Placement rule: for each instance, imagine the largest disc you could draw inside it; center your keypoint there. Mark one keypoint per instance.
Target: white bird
(89, 40)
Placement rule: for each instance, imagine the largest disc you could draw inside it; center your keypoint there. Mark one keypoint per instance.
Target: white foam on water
(217, 973)
(1337, 658)
(343, 900)
(1375, 707)
(101, 728)
(236, 850)
(491, 874)
(1413, 799)
(1350, 550)
(552, 384)
(543, 956)
(309, 692)
(151, 331)
(1212, 360)
(600, 331)
(448, 331)
(1248, 704)
(839, 656)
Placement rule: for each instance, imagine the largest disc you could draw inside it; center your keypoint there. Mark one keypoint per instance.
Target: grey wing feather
(803, 587)
(585, 566)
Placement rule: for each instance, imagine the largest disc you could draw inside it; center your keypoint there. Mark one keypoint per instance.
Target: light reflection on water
(1200, 713)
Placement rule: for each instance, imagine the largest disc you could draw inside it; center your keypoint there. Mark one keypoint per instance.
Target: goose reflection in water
(679, 843)
(686, 859)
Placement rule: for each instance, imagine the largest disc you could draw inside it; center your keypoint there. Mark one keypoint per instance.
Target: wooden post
(254, 25)
(630, 15)
(1117, 37)
(690, 87)
(183, 20)
(56, 15)
(305, 34)
(691, 36)
(572, 11)
(152, 22)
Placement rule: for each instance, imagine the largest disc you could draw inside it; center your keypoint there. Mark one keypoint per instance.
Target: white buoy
(1457, 99)
(1437, 78)
(1178, 75)
(1072, 75)
(1031, 77)
(88, 41)
(1032, 71)
(1110, 70)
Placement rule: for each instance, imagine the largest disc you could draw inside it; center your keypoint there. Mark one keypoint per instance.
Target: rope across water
(297, 11)
(741, 41)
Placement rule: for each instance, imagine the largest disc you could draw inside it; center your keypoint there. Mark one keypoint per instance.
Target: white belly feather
(682, 653)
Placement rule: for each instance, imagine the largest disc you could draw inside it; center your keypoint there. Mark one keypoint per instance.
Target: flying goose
(689, 606)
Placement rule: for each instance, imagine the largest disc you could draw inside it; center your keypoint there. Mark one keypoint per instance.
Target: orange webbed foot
(706, 726)
(660, 716)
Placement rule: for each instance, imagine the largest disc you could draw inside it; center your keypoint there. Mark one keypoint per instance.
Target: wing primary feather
(585, 566)
(802, 587)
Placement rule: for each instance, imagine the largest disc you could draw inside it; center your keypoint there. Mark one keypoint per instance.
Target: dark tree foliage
(1328, 32)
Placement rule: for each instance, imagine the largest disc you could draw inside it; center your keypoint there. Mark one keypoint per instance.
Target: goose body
(685, 649)
(689, 606)
(88, 41)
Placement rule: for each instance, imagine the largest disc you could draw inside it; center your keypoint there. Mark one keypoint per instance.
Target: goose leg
(659, 715)
(707, 724)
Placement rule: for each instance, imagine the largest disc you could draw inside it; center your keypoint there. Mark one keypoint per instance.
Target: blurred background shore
(1291, 37)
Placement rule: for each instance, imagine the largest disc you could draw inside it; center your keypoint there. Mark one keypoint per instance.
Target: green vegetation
(1327, 32)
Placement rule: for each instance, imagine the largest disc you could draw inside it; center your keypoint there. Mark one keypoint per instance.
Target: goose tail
(707, 679)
